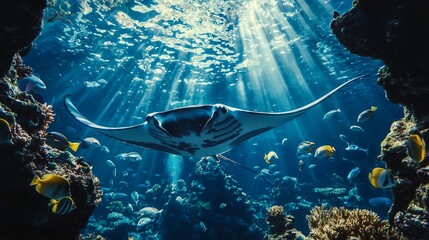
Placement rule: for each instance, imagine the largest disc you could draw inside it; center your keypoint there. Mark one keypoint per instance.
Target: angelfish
(199, 130)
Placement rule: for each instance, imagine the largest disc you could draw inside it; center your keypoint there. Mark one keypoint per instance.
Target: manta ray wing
(140, 134)
(201, 130)
(254, 123)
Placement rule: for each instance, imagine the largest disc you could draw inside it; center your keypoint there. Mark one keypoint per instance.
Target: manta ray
(199, 130)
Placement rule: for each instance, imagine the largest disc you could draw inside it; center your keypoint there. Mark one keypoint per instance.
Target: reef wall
(27, 214)
(394, 31)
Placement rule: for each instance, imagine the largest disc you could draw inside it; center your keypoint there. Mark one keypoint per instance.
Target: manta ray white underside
(200, 130)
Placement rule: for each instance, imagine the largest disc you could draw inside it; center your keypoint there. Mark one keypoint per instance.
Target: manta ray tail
(303, 109)
(220, 156)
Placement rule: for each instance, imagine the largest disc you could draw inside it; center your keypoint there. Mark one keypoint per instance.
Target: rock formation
(394, 31)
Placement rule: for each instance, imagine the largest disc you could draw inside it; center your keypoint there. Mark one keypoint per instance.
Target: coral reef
(340, 223)
(215, 200)
(392, 31)
(27, 155)
(23, 149)
(281, 225)
(210, 206)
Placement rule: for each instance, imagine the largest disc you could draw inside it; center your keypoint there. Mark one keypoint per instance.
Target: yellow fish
(381, 178)
(62, 206)
(51, 186)
(416, 147)
(5, 132)
(269, 156)
(325, 151)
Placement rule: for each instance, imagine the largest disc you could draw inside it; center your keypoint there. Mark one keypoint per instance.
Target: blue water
(123, 60)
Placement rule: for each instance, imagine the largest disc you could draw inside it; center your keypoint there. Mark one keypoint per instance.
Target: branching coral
(340, 223)
(276, 220)
(49, 116)
(281, 225)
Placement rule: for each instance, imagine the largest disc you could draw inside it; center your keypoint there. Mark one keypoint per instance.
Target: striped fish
(381, 178)
(62, 206)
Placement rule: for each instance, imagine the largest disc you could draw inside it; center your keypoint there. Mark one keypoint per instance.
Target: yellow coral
(340, 223)
(275, 211)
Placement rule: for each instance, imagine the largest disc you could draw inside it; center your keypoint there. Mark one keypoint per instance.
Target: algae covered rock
(23, 149)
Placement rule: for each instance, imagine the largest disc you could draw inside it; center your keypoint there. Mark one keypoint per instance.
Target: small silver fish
(149, 212)
(90, 142)
(143, 221)
(130, 207)
(344, 138)
(110, 163)
(367, 114)
(265, 172)
(332, 114)
(356, 128)
(354, 147)
(304, 147)
(130, 157)
(105, 149)
(135, 197)
(353, 174)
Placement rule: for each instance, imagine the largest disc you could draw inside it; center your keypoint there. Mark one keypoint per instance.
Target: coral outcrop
(23, 149)
(280, 225)
(218, 208)
(393, 31)
(208, 205)
(341, 224)
(27, 155)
